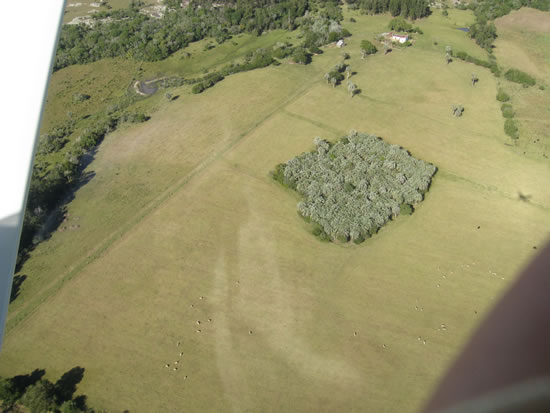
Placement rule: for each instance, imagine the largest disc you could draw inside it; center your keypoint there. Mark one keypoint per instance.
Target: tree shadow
(16, 286)
(173, 98)
(357, 92)
(22, 381)
(65, 387)
(81, 402)
(59, 214)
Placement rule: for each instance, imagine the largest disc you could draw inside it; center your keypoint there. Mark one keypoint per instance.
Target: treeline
(39, 394)
(483, 30)
(128, 32)
(413, 9)
(50, 181)
(353, 187)
(489, 64)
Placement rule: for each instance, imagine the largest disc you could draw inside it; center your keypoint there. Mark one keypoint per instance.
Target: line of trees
(490, 64)
(353, 187)
(413, 9)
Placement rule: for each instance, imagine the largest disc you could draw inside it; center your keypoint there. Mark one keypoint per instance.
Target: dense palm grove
(352, 188)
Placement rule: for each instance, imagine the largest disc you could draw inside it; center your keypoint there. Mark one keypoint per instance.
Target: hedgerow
(491, 65)
(353, 187)
(517, 76)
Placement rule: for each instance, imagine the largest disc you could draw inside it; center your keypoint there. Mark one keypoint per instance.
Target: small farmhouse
(401, 38)
(340, 43)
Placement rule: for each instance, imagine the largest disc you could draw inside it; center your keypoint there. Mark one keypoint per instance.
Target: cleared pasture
(183, 207)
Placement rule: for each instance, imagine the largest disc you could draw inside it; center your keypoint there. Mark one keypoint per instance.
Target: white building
(340, 43)
(399, 38)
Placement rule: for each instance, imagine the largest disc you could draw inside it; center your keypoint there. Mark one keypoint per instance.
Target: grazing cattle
(250, 332)
(167, 365)
(181, 354)
(198, 322)
(175, 368)
(197, 331)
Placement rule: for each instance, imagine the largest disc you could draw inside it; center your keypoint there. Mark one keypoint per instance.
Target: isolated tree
(300, 56)
(457, 110)
(168, 96)
(448, 58)
(352, 88)
(333, 81)
(327, 78)
(348, 72)
(345, 55)
(475, 79)
(387, 47)
(449, 49)
(367, 48)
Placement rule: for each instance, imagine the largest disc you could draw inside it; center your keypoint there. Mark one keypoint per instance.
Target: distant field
(79, 8)
(183, 207)
(524, 43)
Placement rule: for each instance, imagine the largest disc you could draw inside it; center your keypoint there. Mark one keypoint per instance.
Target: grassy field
(182, 207)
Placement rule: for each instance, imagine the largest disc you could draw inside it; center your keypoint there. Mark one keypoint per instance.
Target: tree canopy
(367, 48)
(353, 187)
(413, 9)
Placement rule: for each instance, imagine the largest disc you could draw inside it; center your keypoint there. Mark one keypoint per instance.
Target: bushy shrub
(511, 129)
(352, 188)
(334, 37)
(399, 24)
(301, 56)
(507, 110)
(80, 97)
(198, 88)
(56, 139)
(405, 209)
(483, 33)
(517, 76)
(502, 96)
(367, 47)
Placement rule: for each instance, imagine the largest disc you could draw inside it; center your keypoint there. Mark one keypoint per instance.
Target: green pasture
(183, 207)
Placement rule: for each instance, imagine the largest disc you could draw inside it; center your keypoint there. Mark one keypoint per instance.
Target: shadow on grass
(58, 215)
(16, 285)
